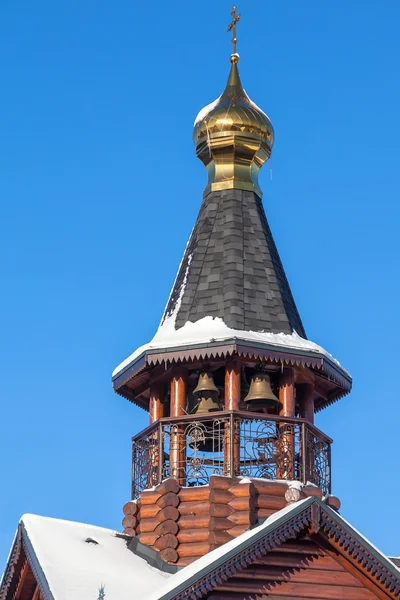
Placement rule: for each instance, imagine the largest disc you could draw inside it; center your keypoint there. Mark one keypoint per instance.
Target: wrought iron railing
(192, 448)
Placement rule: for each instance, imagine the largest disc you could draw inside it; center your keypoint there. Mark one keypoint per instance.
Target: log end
(169, 512)
(168, 526)
(166, 541)
(168, 499)
(333, 502)
(168, 485)
(129, 522)
(169, 555)
(313, 490)
(293, 494)
(130, 508)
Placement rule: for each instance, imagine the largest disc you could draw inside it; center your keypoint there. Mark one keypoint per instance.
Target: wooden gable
(306, 552)
(302, 569)
(19, 582)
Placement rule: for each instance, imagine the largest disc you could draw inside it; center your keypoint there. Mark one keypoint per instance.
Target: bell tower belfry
(230, 380)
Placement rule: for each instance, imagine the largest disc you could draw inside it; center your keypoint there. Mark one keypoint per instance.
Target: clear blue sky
(100, 187)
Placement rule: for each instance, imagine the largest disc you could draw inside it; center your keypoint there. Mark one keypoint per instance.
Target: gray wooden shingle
(235, 271)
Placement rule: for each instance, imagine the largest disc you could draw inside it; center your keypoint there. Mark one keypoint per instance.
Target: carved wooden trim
(232, 348)
(14, 570)
(315, 524)
(355, 551)
(354, 569)
(11, 566)
(315, 519)
(289, 358)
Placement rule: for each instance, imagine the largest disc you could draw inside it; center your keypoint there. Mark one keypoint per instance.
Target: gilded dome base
(232, 184)
(233, 138)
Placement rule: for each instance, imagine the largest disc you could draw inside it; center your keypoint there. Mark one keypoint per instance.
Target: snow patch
(168, 324)
(76, 569)
(296, 485)
(213, 329)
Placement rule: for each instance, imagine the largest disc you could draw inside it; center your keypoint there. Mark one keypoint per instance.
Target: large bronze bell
(206, 394)
(260, 393)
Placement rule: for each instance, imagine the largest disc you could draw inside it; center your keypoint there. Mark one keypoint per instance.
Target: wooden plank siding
(297, 570)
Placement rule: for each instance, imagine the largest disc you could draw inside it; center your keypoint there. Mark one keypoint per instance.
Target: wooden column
(232, 429)
(286, 393)
(286, 459)
(156, 407)
(178, 393)
(305, 393)
(306, 401)
(156, 410)
(178, 388)
(232, 385)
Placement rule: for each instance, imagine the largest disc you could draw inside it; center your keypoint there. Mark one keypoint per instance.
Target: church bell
(206, 393)
(260, 393)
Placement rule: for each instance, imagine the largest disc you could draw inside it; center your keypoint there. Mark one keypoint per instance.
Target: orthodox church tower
(230, 380)
(231, 487)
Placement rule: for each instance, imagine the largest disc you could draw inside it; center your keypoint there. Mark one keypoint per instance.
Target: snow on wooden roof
(72, 560)
(213, 329)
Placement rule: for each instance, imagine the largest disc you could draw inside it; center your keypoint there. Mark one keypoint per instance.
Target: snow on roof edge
(76, 558)
(213, 329)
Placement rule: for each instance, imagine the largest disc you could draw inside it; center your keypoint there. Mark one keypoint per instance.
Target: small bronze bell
(205, 395)
(205, 384)
(260, 393)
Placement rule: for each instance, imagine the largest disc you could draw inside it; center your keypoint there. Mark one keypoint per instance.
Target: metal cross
(102, 593)
(232, 27)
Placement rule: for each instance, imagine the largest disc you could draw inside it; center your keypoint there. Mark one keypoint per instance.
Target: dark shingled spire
(233, 270)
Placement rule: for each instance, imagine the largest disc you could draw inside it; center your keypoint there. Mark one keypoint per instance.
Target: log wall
(185, 523)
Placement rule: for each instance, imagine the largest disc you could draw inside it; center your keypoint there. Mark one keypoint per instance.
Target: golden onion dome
(233, 138)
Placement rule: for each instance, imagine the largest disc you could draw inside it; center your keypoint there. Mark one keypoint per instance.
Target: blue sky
(100, 187)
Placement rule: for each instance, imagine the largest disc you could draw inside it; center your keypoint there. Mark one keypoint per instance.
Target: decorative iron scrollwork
(230, 444)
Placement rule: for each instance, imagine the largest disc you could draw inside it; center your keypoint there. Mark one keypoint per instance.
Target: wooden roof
(304, 551)
(332, 382)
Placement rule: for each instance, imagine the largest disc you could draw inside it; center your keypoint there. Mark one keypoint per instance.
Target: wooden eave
(336, 381)
(23, 561)
(310, 517)
(13, 568)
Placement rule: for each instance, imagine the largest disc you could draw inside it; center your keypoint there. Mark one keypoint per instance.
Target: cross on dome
(232, 27)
